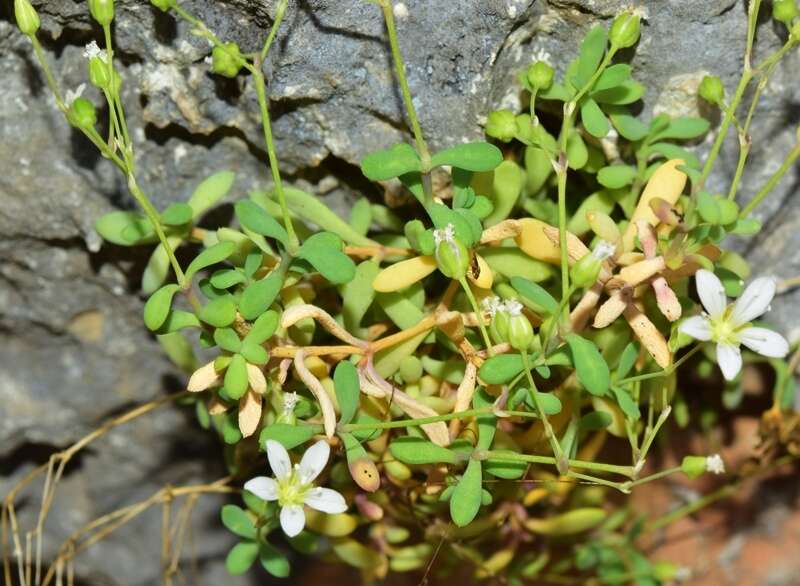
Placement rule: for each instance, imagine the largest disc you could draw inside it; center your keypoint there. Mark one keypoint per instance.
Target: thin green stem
(48, 74)
(401, 423)
(104, 149)
(536, 459)
(771, 182)
(400, 69)
(652, 477)
(152, 215)
(561, 461)
(692, 507)
(478, 315)
(115, 103)
(279, 14)
(273, 159)
(665, 372)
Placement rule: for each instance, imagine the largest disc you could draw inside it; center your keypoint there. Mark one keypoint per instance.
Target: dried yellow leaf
(480, 273)
(404, 273)
(249, 413)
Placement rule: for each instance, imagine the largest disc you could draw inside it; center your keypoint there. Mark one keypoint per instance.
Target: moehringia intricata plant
(495, 340)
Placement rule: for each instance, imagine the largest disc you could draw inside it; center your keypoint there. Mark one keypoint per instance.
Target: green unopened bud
(711, 89)
(784, 10)
(27, 17)
(498, 324)
(540, 75)
(163, 5)
(501, 125)
(226, 60)
(694, 466)
(452, 256)
(102, 11)
(585, 271)
(625, 30)
(82, 113)
(520, 331)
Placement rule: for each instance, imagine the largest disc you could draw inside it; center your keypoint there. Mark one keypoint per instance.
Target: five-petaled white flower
(446, 234)
(292, 486)
(729, 325)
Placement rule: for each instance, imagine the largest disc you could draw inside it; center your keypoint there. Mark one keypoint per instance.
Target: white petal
(754, 301)
(326, 500)
(698, 327)
(314, 461)
(263, 487)
(278, 459)
(293, 519)
(711, 292)
(765, 342)
(729, 359)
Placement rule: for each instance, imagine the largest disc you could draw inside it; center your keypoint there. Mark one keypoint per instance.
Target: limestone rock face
(74, 349)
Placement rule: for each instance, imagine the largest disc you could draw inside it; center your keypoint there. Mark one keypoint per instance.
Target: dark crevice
(36, 454)
(162, 134)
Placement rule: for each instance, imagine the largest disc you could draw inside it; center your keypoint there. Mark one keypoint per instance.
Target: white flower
(729, 325)
(492, 305)
(292, 486)
(542, 55)
(71, 95)
(603, 250)
(92, 50)
(715, 465)
(446, 234)
(290, 402)
(512, 307)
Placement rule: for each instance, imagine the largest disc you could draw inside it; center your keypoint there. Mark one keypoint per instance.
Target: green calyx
(540, 75)
(82, 113)
(625, 30)
(226, 60)
(27, 17)
(452, 257)
(501, 124)
(102, 11)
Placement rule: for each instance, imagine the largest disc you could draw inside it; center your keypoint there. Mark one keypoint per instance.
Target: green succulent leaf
(498, 370)
(684, 128)
(627, 92)
(473, 156)
(260, 295)
(219, 312)
(505, 469)
(591, 53)
(348, 390)
(157, 307)
(254, 218)
(210, 256)
(398, 160)
(290, 436)
(227, 339)
(612, 77)
(543, 302)
(263, 328)
(593, 119)
(591, 367)
(417, 451)
(273, 561)
(241, 557)
(125, 228)
(616, 176)
(177, 214)
(238, 521)
(177, 320)
(236, 377)
(324, 251)
(211, 191)
(158, 266)
(466, 499)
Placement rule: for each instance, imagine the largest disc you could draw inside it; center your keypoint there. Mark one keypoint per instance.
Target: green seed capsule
(27, 17)
(540, 75)
(501, 125)
(520, 332)
(226, 60)
(711, 89)
(625, 30)
(784, 10)
(102, 11)
(411, 369)
(82, 113)
(452, 257)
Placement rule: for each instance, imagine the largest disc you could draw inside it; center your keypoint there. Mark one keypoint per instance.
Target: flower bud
(694, 466)
(501, 125)
(98, 73)
(226, 60)
(27, 17)
(540, 75)
(498, 324)
(586, 270)
(711, 89)
(102, 11)
(163, 5)
(625, 30)
(82, 113)
(520, 331)
(451, 256)
(784, 10)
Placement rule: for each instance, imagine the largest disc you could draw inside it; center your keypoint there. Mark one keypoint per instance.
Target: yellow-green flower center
(291, 491)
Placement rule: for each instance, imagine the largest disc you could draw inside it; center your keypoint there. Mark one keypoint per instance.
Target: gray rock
(74, 350)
